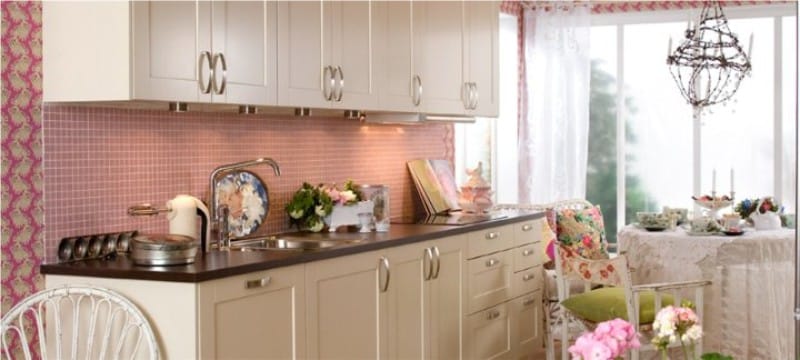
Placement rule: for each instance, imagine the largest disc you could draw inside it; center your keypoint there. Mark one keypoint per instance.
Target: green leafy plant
(311, 204)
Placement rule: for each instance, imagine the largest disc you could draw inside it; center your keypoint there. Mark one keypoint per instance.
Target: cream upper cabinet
(326, 55)
(398, 69)
(342, 307)
(253, 315)
(195, 51)
(481, 52)
(172, 55)
(245, 37)
(440, 44)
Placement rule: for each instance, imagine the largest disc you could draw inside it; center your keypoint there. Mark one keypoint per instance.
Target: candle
(714, 180)
(669, 47)
(731, 180)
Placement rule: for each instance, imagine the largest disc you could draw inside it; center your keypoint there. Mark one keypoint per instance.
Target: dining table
(748, 308)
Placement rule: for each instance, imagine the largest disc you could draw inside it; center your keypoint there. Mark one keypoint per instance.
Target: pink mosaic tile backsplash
(100, 161)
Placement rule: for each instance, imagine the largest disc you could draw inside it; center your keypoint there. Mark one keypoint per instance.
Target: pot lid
(163, 242)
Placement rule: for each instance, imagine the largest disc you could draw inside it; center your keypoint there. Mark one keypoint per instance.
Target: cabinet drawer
(528, 232)
(490, 240)
(527, 256)
(527, 280)
(526, 315)
(489, 280)
(490, 334)
(255, 282)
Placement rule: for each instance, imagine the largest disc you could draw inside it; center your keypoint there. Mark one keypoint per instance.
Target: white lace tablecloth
(748, 308)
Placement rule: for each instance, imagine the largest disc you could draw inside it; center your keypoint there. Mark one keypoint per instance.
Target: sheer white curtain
(553, 140)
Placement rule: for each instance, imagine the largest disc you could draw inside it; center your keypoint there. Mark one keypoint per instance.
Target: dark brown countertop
(219, 264)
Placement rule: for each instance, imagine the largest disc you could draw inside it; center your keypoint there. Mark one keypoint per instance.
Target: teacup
(681, 214)
(704, 224)
(731, 221)
(655, 220)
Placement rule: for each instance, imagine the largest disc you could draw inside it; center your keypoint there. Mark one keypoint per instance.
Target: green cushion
(609, 303)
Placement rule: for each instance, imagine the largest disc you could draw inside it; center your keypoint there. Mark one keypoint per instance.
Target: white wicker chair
(567, 265)
(74, 322)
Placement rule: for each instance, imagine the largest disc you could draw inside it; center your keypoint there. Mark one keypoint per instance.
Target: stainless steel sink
(288, 242)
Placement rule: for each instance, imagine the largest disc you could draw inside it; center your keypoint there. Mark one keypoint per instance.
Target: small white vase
(769, 220)
(347, 214)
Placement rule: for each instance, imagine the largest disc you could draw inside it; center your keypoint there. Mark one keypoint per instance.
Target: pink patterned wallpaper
(22, 192)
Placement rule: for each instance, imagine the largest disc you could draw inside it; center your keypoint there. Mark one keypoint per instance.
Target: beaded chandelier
(710, 64)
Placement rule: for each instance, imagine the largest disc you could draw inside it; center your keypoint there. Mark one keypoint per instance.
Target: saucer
(733, 233)
(654, 228)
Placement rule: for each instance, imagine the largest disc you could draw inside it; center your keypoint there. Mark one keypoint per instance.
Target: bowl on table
(653, 221)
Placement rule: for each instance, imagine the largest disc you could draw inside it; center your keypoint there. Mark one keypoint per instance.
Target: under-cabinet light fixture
(352, 114)
(178, 107)
(302, 112)
(248, 109)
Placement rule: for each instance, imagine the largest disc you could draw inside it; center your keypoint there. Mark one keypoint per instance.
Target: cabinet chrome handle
(417, 90)
(438, 262)
(528, 302)
(204, 88)
(221, 58)
(341, 83)
(491, 315)
(492, 262)
(327, 83)
(474, 92)
(528, 277)
(465, 95)
(527, 252)
(258, 283)
(427, 265)
(384, 263)
(527, 227)
(492, 235)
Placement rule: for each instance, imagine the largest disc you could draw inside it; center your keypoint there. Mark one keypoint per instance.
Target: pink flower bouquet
(610, 340)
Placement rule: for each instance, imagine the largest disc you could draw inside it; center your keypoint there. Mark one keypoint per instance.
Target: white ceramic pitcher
(769, 220)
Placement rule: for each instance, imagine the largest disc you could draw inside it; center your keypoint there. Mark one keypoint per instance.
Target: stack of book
(436, 185)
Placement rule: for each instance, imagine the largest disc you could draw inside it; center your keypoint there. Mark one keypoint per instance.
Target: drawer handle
(492, 262)
(491, 315)
(528, 277)
(527, 227)
(528, 302)
(492, 235)
(527, 252)
(260, 283)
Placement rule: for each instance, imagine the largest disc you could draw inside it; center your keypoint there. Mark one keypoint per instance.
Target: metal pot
(163, 249)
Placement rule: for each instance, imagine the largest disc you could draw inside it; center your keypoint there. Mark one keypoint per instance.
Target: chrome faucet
(217, 220)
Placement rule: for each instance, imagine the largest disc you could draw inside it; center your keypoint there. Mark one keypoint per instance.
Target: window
(753, 134)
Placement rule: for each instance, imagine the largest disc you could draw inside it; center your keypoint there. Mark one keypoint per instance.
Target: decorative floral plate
(246, 197)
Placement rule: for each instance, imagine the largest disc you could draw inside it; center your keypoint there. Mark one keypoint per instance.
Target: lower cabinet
(526, 316)
(342, 307)
(256, 315)
(426, 300)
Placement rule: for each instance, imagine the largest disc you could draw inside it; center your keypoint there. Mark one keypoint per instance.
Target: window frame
(619, 20)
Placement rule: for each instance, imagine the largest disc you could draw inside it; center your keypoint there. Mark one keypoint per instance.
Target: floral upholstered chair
(606, 292)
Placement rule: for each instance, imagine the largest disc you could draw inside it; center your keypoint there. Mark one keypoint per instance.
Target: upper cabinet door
(304, 76)
(440, 43)
(245, 39)
(352, 54)
(399, 85)
(169, 41)
(481, 53)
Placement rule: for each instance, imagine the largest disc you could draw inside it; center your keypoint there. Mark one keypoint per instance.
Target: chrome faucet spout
(221, 170)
